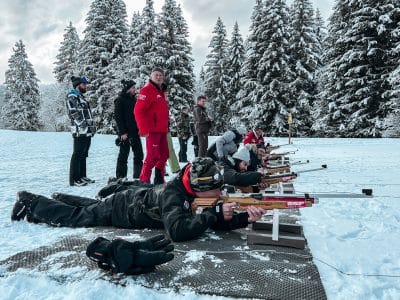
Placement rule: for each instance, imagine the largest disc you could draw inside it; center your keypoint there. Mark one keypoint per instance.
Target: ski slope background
(355, 242)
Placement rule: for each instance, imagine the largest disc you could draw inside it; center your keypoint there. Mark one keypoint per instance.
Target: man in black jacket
(128, 134)
(146, 206)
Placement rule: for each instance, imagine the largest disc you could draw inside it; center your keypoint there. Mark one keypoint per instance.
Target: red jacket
(252, 138)
(151, 110)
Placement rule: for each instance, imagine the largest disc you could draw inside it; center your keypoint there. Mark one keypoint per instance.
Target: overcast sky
(40, 24)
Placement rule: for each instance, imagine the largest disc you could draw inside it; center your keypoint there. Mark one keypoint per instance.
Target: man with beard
(82, 129)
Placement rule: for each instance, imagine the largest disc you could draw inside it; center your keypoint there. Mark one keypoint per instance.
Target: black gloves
(139, 257)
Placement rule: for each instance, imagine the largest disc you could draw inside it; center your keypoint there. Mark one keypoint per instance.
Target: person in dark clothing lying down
(147, 206)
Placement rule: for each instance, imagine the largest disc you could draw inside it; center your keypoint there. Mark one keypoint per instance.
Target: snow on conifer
(236, 53)
(217, 77)
(22, 99)
(304, 52)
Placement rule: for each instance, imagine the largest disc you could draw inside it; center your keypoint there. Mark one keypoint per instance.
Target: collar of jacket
(76, 93)
(155, 84)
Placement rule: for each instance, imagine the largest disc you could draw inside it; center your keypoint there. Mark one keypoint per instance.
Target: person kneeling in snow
(131, 258)
(139, 207)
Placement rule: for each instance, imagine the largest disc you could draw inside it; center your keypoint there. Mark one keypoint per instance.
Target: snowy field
(355, 242)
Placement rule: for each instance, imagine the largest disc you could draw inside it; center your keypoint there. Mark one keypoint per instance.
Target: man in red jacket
(256, 135)
(151, 113)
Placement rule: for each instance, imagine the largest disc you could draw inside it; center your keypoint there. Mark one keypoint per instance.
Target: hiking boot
(87, 180)
(79, 183)
(22, 206)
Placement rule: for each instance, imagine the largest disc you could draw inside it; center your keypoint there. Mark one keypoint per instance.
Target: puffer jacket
(79, 112)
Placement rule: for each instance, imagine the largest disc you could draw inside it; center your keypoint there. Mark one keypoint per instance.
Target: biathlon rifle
(269, 202)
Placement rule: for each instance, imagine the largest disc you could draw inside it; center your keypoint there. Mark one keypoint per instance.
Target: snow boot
(23, 206)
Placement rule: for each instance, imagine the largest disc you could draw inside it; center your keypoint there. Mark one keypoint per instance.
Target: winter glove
(139, 257)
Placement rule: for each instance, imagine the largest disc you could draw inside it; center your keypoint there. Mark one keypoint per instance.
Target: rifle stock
(244, 202)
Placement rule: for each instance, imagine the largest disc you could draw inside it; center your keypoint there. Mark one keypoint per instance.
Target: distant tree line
(339, 81)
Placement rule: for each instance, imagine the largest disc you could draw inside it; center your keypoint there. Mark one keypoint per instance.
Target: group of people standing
(145, 114)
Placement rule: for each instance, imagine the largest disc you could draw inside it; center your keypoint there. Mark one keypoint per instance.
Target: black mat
(218, 264)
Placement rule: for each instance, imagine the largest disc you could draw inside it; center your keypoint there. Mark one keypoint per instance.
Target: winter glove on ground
(130, 258)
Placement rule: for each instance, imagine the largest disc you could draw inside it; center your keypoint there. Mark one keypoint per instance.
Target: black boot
(158, 177)
(23, 206)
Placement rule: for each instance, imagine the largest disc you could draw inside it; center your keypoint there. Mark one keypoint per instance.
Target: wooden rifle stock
(244, 202)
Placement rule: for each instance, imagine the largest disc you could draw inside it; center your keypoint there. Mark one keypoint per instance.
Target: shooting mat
(220, 263)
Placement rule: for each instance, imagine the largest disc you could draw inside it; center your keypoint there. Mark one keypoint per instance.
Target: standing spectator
(203, 124)
(226, 144)
(183, 129)
(195, 141)
(151, 113)
(82, 129)
(128, 134)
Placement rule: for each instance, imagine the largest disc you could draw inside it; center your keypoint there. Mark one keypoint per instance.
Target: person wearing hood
(82, 129)
(227, 144)
(152, 117)
(127, 129)
(235, 169)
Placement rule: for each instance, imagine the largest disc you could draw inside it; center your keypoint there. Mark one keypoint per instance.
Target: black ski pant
(183, 149)
(77, 168)
(195, 144)
(122, 162)
(74, 212)
(124, 209)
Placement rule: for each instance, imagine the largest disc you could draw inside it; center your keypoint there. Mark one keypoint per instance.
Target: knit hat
(241, 130)
(127, 84)
(205, 175)
(242, 154)
(78, 80)
(157, 69)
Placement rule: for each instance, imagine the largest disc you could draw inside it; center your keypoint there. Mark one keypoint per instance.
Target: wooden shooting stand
(276, 233)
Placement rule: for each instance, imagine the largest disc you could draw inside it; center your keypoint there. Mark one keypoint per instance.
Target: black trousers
(203, 143)
(77, 168)
(122, 163)
(195, 144)
(182, 149)
(76, 212)
(123, 209)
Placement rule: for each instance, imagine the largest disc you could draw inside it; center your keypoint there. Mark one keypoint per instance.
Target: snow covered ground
(355, 242)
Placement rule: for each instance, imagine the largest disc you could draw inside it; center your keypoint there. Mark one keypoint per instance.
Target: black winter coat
(233, 177)
(123, 114)
(168, 207)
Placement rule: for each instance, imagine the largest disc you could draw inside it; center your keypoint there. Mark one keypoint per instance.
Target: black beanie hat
(127, 84)
(78, 80)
